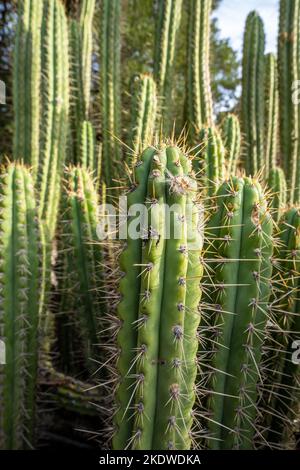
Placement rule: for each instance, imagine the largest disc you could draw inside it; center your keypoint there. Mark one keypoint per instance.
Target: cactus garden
(149, 242)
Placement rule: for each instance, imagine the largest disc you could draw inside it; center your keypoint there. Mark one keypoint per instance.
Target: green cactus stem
(20, 254)
(231, 134)
(253, 102)
(144, 108)
(288, 66)
(110, 49)
(199, 106)
(277, 185)
(55, 111)
(158, 312)
(86, 27)
(235, 311)
(271, 112)
(168, 22)
(27, 83)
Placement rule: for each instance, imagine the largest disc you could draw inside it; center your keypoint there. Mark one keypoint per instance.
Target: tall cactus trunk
(271, 113)
(253, 108)
(231, 134)
(199, 107)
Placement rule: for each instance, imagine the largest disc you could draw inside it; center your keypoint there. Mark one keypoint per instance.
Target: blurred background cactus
(183, 336)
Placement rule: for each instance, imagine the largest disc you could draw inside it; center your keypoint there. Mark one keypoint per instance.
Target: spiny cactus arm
(232, 142)
(20, 287)
(56, 105)
(144, 108)
(88, 146)
(86, 24)
(110, 88)
(272, 112)
(279, 192)
(128, 308)
(211, 164)
(252, 111)
(27, 83)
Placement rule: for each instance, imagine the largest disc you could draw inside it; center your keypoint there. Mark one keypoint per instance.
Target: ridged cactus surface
(158, 311)
(279, 194)
(21, 261)
(231, 134)
(237, 291)
(271, 113)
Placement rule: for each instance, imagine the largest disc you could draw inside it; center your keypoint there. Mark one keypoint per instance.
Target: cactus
(143, 112)
(56, 108)
(231, 134)
(20, 255)
(199, 107)
(27, 83)
(235, 311)
(158, 312)
(88, 154)
(110, 89)
(282, 377)
(86, 26)
(210, 165)
(168, 22)
(278, 187)
(272, 112)
(253, 103)
(81, 247)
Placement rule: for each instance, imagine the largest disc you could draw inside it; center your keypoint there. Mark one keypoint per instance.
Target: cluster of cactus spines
(238, 255)
(279, 193)
(56, 110)
(144, 109)
(288, 66)
(199, 106)
(158, 312)
(110, 50)
(210, 165)
(231, 134)
(27, 83)
(271, 112)
(283, 374)
(168, 22)
(20, 254)
(253, 101)
(86, 32)
(83, 256)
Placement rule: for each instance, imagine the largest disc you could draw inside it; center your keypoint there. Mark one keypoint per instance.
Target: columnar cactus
(55, 111)
(231, 134)
(282, 383)
(199, 107)
(210, 163)
(235, 311)
(277, 185)
(20, 255)
(288, 61)
(81, 247)
(144, 108)
(88, 153)
(253, 102)
(110, 49)
(86, 31)
(168, 22)
(271, 112)
(27, 83)
(158, 312)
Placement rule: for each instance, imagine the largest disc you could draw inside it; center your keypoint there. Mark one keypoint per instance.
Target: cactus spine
(169, 17)
(158, 297)
(238, 252)
(288, 59)
(144, 109)
(56, 108)
(272, 112)
(231, 134)
(253, 108)
(27, 83)
(19, 308)
(278, 187)
(110, 88)
(83, 252)
(199, 96)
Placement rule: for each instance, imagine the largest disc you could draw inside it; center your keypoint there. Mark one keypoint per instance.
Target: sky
(232, 16)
